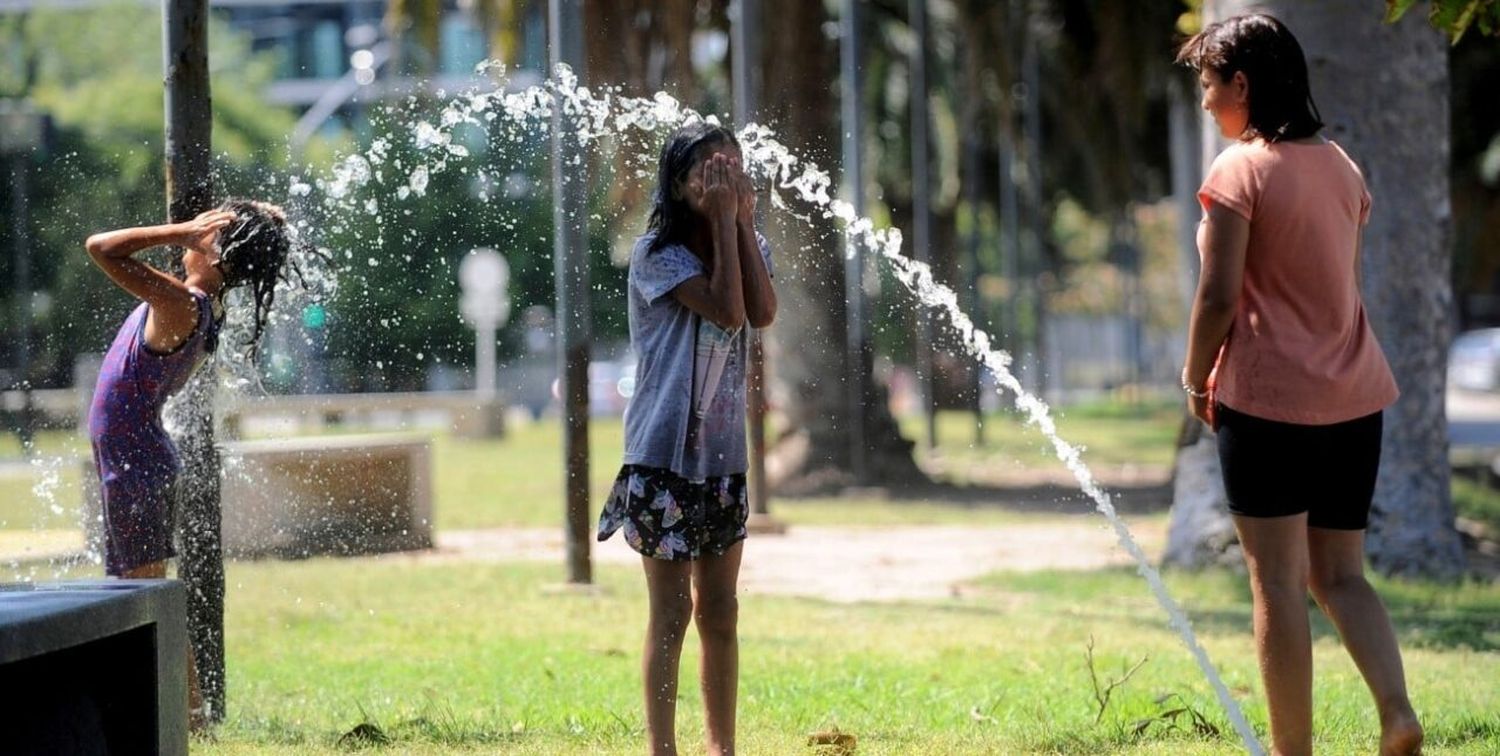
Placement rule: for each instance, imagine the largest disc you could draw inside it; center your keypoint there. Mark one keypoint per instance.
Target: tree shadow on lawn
(1419, 623)
(1047, 498)
(1426, 614)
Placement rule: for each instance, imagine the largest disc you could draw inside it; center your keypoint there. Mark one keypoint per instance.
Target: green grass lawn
(484, 658)
(515, 480)
(1111, 433)
(44, 492)
(1477, 501)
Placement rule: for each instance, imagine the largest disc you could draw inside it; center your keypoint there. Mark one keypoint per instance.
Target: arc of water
(812, 186)
(609, 113)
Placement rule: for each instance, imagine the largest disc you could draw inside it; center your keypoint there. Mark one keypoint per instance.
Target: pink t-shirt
(1301, 349)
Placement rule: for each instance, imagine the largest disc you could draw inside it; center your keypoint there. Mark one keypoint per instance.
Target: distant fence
(1087, 353)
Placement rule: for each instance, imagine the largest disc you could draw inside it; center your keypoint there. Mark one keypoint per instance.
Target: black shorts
(1275, 469)
(666, 516)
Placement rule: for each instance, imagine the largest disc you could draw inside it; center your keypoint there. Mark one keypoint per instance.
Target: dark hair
(1281, 103)
(671, 216)
(252, 251)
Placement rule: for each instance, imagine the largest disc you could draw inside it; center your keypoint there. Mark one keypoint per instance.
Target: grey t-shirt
(687, 414)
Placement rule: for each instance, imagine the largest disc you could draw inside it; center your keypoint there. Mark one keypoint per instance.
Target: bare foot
(1400, 734)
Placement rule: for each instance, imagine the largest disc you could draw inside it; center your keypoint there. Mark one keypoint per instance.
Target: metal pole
(922, 208)
(971, 190)
(24, 314)
(189, 115)
(1010, 247)
(570, 268)
(745, 23)
(856, 303)
(484, 361)
(1032, 118)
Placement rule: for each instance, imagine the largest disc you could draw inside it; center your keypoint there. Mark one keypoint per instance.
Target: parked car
(611, 384)
(1474, 360)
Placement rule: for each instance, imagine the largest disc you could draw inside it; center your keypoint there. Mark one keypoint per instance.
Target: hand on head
(202, 232)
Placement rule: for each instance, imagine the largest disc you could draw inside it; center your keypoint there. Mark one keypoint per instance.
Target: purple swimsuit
(136, 459)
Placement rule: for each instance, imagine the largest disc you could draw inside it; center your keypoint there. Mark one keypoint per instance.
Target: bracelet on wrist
(1193, 392)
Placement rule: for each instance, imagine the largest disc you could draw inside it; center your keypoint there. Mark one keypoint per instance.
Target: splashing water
(812, 186)
(610, 114)
(639, 122)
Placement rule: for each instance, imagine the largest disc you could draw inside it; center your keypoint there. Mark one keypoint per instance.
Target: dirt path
(851, 564)
(832, 563)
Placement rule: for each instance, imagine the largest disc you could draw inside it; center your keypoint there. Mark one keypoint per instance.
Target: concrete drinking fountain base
(315, 495)
(93, 667)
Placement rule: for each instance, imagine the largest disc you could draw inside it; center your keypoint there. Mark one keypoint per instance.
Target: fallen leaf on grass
(833, 742)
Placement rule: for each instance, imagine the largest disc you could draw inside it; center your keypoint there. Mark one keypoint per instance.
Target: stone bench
(464, 413)
(318, 495)
(94, 667)
(326, 495)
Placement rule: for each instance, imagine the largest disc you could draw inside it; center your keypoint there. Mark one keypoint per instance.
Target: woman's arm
(760, 296)
(172, 313)
(719, 296)
(1222, 238)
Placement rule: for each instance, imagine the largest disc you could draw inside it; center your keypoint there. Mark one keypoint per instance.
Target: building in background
(335, 57)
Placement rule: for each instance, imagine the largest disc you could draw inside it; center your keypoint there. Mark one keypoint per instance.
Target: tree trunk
(1383, 91)
(1201, 533)
(807, 350)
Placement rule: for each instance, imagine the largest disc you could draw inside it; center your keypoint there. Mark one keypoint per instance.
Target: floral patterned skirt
(665, 516)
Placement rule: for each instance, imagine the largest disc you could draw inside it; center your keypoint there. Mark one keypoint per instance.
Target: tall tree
(1396, 126)
(799, 61)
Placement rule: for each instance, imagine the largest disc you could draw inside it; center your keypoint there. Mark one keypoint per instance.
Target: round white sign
(483, 272)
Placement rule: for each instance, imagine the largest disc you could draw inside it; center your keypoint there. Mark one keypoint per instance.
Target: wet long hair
(1281, 102)
(671, 217)
(253, 251)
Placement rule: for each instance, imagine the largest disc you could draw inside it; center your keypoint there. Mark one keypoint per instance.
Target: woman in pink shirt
(1282, 362)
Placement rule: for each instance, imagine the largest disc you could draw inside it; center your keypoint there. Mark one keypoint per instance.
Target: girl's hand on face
(744, 190)
(201, 232)
(719, 201)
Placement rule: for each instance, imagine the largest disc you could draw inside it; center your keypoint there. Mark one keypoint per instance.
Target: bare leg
(197, 719)
(716, 610)
(1338, 582)
(148, 571)
(669, 585)
(1276, 554)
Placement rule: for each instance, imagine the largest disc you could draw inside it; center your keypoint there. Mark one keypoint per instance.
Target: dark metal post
(745, 24)
(1010, 242)
(189, 114)
(1035, 266)
(570, 266)
(23, 139)
(856, 302)
(21, 238)
(921, 207)
(971, 192)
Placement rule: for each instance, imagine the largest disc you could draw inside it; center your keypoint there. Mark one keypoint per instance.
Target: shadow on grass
(1419, 622)
(1047, 498)
(1426, 615)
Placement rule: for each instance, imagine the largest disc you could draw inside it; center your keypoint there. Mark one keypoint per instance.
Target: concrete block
(94, 667)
